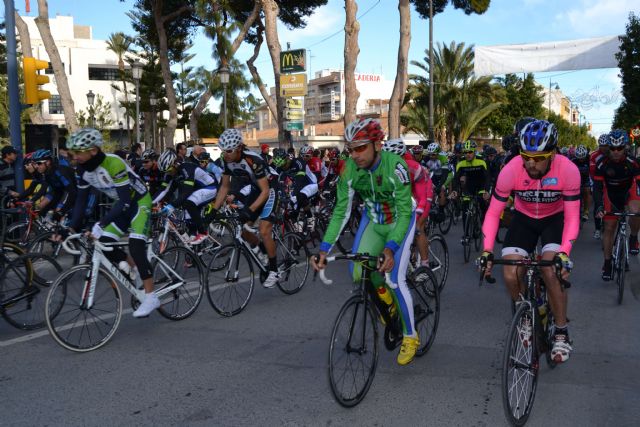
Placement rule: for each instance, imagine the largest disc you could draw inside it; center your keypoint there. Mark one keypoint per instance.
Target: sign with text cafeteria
(293, 84)
(293, 61)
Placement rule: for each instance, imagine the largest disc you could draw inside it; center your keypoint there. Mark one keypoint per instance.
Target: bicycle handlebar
(68, 248)
(351, 257)
(620, 213)
(525, 262)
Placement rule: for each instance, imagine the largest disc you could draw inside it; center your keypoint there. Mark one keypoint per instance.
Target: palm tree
(120, 44)
(461, 100)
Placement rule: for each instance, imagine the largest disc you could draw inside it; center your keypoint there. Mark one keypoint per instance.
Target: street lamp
(120, 125)
(557, 88)
(90, 99)
(223, 72)
(153, 102)
(136, 72)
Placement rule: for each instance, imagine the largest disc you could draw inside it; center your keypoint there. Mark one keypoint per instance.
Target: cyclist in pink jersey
(422, 191)
(547, 203)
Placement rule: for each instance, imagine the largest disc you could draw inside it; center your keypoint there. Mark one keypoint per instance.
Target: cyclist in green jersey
(130, 212)
(388, 223)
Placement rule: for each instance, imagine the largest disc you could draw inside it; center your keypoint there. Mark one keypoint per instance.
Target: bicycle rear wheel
(439, 259)
(466, 239)
(445, 225)
(477, 233)
(230, 284)
(520, 367)
(23, 289)
(73, 324)
(182, 301)
(293, 265)
(353, 352)
(423, 286)
(44, 244)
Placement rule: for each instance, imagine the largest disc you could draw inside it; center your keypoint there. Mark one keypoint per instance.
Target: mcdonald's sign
(293, 61)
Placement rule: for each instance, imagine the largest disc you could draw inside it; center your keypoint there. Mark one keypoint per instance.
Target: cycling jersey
(616, 182)
(188, 179)
(37, 188)
(557, 191)
(583, 168)
(152, 178)
(476, 173)
(61, 188)
(594, 158)
(421, 186)
(386, 192)
(247, 171)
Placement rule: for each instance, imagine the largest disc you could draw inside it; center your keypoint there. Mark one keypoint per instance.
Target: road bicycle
(620, 254)
(530, 336)
(84, 305)
(24, 279)
(230, 272)
(353, 349)
(438, 256)
(471, 226)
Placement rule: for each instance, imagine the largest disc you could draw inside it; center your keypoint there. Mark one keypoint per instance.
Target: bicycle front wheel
(520, 367)
(466, 239)
(182, 265)
(23, 289)
(445, 225)
(230, 283)
(294, 263)
(423, 286)
(439, 259)
(621, 267)
(353, 352)
(74, 324)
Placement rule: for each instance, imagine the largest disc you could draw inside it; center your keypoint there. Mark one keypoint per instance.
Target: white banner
(582, 54)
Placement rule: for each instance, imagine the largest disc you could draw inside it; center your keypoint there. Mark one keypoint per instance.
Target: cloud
(323, 22)
(597, 17)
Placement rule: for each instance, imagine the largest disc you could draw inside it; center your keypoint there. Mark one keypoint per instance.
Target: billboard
(293, 61)
(293, 85)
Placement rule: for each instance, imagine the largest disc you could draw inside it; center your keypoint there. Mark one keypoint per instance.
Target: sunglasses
(536, 157)
(358, 149)
(622, 147)
(41, 162)
(146, 161)
(229, 151)
(467, 152)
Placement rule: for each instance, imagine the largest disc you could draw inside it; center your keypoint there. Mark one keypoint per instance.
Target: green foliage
(468, 6)
(628, 113)
(101, 112)
(461, 100)
(521, 98)
(569, 134)
(210, 125)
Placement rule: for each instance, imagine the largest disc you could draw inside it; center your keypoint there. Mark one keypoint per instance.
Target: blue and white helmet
(395, 146)
(603, 139)
(42, 154)
(618, 138)
(539, 135)
(230, 139)
(582, 152)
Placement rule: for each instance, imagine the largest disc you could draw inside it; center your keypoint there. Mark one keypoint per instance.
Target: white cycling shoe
(150, 303)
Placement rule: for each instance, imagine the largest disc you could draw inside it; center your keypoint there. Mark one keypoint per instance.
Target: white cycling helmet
(363, 130)
(395, 146)
(603, 139)
(84, 139)
(166, 160)
(582, 152)
(433, 148)
(306, 149)
(230, 139)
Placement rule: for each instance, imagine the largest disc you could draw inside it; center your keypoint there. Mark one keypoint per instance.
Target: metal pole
(225, 105)
(138, 111)
(153, 124)
(15, 108)
(431, 135)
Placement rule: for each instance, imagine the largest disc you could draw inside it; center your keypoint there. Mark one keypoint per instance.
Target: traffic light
(33, 80)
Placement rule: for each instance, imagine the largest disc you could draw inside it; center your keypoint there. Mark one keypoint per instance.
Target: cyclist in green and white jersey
(387, 226)
(130, 212)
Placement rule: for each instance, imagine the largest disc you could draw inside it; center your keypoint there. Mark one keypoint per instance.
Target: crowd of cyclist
(550, 189)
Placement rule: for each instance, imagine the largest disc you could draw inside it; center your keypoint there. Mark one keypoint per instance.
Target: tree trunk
(196, 113)
(402, 77)
(42, 22)
(163, 56)
(271, 11)
(256, 77)
(25, 43)
(206, 95)
(351, 52)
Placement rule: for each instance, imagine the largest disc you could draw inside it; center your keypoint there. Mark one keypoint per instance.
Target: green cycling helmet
(469, 146)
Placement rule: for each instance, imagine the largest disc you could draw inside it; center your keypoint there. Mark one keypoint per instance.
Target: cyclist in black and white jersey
(251, 170)
(196, 187)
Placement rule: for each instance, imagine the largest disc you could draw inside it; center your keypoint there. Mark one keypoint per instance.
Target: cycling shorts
(203, 196)
(616, 201)
(135, 220)
(270, 207)
(524, 232)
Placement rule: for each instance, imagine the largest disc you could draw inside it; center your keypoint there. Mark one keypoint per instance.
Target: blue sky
(506, 22)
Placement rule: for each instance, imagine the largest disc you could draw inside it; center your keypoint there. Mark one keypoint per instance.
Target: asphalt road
(268, 365)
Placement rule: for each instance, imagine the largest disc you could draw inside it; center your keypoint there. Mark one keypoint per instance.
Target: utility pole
(431, 135)
(15, 108)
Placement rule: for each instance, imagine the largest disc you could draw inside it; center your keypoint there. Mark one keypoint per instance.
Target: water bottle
(542, 311)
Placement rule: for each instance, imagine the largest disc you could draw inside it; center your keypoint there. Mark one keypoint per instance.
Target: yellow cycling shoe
(408, 350)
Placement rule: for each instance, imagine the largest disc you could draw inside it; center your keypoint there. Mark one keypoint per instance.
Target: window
(55, 105)
(103, 73)
(50, 69)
